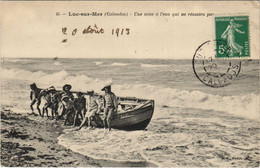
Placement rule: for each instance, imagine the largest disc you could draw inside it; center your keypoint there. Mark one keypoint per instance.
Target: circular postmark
(213, 71)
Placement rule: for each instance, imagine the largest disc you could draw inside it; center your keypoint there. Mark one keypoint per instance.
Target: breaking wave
(239, 105)
(118, 64)
(152, 66)
(98, 62)
(57, 79)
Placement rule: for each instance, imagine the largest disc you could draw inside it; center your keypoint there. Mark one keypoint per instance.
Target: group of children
(74, 106)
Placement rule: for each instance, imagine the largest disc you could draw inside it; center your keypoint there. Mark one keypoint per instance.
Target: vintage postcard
(130, 84)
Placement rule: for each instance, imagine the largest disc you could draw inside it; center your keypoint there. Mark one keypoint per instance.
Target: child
(69, 107)
(80, 107)
(35, 97)
(66, 90)
(53, 102)
(93, 109)
(48, 103)
(56, 99)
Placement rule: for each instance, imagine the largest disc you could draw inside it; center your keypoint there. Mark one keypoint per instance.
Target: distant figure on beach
(80, 107)
(69, 107)
(111, 105)
(93, 107)
(35, 97)
(56, 99)
(229, 35)
(47, 96)
(66, 90)
(48, 103)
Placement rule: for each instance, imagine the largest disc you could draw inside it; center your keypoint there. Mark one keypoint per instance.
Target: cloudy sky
(32, 29)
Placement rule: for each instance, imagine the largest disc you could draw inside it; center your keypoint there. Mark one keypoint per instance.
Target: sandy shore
(30, 141)
(200, 138)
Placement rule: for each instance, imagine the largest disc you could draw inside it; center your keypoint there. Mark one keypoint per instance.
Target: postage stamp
(235, 31)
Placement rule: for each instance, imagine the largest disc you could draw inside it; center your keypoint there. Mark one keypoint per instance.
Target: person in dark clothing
(69, 107)
(35, 97)
(56, 99)
(80, 107)
(66, 90)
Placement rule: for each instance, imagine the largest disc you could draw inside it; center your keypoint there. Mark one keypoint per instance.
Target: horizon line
(120, 58)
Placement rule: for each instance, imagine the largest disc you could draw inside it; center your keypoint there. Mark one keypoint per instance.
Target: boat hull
(136, 119)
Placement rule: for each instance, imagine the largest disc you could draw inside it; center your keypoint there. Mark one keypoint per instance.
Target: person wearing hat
(93, 107)
(111, 105)
(80, 107)
(66, 90)
(35, 97)
(51, 90)
(51, 101)
(69, 107)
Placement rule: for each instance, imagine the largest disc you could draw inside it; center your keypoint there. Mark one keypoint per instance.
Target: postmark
(212, 71)
(235, 31)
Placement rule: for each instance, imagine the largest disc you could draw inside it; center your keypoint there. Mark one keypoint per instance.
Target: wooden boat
(132, 114)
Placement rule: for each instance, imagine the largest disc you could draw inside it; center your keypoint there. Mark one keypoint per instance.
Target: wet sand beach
(30, 141)
(200, 138)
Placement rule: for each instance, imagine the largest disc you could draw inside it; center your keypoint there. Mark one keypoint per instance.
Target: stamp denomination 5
(235, 31)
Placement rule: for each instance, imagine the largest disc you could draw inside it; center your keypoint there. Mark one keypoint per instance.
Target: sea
(180, 100)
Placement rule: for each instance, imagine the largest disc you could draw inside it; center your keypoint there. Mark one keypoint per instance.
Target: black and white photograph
(130, 84)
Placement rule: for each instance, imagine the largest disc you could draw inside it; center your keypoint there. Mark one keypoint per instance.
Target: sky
(33, 29)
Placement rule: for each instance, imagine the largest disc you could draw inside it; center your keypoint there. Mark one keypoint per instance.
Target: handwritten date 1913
(116, 32)
(119, 31)
(96, 30)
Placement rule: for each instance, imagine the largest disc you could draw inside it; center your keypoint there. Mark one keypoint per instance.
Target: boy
(35, 97)
(80, 107)
(69, 107)
(93, 107)
(66, 91)
(48, 103)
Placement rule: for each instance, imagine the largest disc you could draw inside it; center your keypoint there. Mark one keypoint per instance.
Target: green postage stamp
(233, 32)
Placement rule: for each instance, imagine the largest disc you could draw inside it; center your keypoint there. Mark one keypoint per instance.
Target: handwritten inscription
(94, 30)
(119, 31)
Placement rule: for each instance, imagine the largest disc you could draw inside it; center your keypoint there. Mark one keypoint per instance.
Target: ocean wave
(57, 79)
(118, 64)
(246, 105)
(240, 105)
(153, 66)
(57, 63)
(98, 62)
(17, 60)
